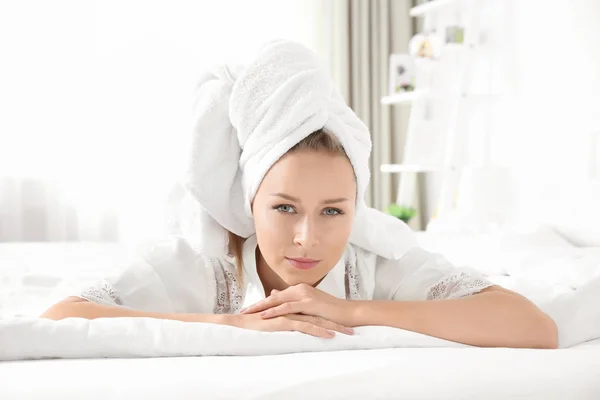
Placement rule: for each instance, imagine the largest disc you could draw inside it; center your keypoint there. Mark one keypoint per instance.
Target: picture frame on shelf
(427, 46)
(401, 74)
(455, 34)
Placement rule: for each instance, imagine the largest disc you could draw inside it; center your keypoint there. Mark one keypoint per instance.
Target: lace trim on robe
(457, 285)
(102, 292)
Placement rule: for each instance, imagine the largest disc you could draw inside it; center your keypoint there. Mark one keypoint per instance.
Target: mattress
(35, 275)
(448, 373)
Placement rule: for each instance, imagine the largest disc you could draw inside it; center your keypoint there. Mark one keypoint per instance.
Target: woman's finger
(294, 307)
(270, 302)
(311, 329)
(323, 323)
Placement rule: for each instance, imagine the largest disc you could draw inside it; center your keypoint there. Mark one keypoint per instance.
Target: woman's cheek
(339, 228)
(276, 227)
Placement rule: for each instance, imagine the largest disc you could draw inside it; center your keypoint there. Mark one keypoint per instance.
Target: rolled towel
(247, 118)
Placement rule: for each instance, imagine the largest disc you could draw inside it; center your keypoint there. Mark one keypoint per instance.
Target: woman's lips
(303, 263)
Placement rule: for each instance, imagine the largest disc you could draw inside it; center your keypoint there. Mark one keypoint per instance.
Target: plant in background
(401, 212)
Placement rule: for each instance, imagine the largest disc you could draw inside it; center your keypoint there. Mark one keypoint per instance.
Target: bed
(34, 275)
(359, 374)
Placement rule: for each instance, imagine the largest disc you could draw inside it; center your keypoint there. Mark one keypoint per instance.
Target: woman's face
(303, 215)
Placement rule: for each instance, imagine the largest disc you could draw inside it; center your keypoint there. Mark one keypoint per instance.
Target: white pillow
(27, 338)
(495, 253)
(542, 237)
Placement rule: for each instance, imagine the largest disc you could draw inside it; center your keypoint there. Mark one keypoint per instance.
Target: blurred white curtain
(361, 35)
(96, 104)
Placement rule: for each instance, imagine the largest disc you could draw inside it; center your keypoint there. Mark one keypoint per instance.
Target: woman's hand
(315, 326)
(304, 299)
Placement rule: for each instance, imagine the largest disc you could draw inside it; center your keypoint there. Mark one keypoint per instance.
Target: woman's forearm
(490, 319)
(79, 308)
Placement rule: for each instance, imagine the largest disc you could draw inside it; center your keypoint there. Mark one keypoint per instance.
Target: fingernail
(332, 333)
(243, 309)
(349, 331)
(262, 314)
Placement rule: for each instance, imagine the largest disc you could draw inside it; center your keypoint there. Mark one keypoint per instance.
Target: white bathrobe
(169, 276)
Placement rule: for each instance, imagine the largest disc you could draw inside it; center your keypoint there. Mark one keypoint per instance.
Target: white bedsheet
(35, 275)
(411, 373)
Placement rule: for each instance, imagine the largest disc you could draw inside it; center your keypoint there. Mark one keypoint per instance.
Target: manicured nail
(349, 331)
(332, 333)
(262, 314)
(243, 309)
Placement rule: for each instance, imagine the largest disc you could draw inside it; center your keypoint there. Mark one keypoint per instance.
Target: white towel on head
(248, 117)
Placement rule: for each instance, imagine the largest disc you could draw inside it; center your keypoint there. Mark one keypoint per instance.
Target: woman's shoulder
(164, 274)
(173, 247)
(174, 256)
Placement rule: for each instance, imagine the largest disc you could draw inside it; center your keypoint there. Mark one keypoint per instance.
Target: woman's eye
(332, 211)
(285, 208)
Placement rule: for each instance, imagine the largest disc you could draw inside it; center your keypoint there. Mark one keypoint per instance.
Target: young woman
(300, 271)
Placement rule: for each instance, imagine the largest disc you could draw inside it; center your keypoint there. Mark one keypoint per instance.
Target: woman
(299, 267)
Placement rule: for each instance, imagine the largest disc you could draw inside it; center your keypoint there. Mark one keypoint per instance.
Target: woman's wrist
(235, 320)
(367, 312)
(356, 312)
(226, 319)
(220, 319)
(353, 313)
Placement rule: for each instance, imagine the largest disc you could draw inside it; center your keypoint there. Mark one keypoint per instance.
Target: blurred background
(496, 127)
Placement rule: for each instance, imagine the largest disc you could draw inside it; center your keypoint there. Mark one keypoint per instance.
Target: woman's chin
(293, 278)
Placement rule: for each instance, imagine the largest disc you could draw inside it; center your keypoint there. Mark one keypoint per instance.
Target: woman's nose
(306, 234)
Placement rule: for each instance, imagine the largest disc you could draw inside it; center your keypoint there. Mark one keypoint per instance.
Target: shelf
(422, 93)
(405, 97)
(397, 168)
(458, 47)
(426, 60)
(428, 7)
(479, 98)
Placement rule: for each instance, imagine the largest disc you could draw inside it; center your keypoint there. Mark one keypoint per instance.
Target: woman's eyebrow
(338, 200)
(292, 198)
(285, 196)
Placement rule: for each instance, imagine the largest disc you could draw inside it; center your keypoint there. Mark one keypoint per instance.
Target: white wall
(556, 104)
(96, 98)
